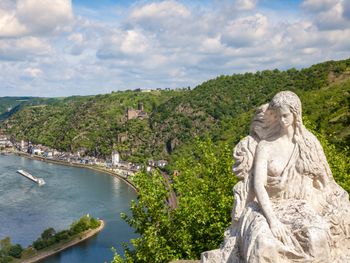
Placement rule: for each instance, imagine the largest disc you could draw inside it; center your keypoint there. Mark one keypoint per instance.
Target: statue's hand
(280, 231)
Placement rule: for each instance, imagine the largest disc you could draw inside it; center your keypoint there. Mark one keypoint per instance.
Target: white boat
(37, 180)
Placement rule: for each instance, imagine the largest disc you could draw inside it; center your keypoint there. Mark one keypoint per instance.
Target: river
(26, 209)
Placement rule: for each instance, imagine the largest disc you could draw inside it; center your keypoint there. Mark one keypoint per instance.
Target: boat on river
(37, 180)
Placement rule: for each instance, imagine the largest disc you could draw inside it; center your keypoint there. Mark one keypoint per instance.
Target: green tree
(8, 251)
(16, 251)
(48, 233)
(4, 258)
(203, 187)
(81, 225)
(338, 159)
(28, 252)
(5, 244)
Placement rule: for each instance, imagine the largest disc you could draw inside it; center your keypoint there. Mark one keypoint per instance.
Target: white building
(5, 142)
(115, 158)
(37, 151)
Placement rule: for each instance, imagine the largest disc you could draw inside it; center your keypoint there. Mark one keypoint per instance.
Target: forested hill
(220, 108)
(10, 105)
(223, 107)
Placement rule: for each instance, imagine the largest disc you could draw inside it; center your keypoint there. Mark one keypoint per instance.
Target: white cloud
(301, 35)
(309, 50)
(33, 72)
(245, 4)
(154, 44)
(161, 18)
(76, 38)
(7, 4)
(76, 43)
(230, 9)
(318, 5)
(165, 9)
(124, 44)
(9, 24)
(246, 31)
(332, 18)
(346, 9)
(134, 43)
(37, 17)
(329, 14)
(24, 48)
(211, 45)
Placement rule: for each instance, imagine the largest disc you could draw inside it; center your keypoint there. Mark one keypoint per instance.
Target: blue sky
(80, 47)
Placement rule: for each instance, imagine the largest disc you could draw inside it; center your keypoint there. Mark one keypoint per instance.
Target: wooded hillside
(220, 108)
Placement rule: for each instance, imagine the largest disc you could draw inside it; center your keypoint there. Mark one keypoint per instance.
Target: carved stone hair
(312, 159)
(292, 101)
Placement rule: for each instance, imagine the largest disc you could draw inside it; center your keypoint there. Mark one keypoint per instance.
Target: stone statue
(288, 208)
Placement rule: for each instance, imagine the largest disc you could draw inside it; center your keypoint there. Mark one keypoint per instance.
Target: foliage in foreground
(203, 186)
(204, 190)
(338, 158)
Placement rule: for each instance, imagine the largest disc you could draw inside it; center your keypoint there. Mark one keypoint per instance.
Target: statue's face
(258, 123)
(286, 117)
(264, 120)
(269, 117)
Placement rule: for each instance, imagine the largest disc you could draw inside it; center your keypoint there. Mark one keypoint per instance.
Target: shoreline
(98, 169)
(54, 250)
(42, 255)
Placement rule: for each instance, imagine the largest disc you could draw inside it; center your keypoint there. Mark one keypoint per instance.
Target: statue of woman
(288, 208)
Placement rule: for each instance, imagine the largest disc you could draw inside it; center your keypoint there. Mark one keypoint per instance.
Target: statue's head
(264, 122)
(258, 124)
(288, 106)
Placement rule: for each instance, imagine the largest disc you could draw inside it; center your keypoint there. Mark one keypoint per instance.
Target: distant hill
(7, 104)
(10, 105)
(220, 108)
(93, 124)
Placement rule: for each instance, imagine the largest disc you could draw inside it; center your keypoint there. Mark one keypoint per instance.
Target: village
(113, 164)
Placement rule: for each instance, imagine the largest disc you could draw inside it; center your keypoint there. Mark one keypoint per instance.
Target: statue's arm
(260, 178)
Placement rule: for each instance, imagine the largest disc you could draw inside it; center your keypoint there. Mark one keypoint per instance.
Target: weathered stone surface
(185, 261)
(288, 208)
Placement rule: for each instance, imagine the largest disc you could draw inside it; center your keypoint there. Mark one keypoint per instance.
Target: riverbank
(48, 252)
(95, 168)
